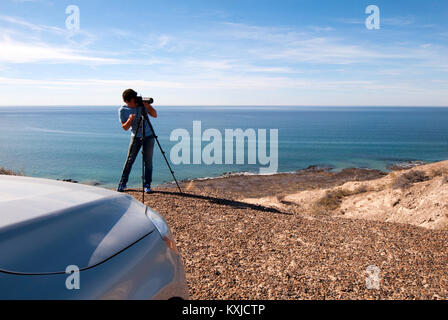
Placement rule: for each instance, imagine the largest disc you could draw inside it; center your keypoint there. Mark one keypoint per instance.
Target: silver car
(61, 240)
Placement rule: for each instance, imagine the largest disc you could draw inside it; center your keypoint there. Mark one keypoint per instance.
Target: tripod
(141, 124)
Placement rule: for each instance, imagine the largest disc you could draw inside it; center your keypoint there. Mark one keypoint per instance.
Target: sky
(226, 52)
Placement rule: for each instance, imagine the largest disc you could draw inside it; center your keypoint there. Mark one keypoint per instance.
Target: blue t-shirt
(124, 112)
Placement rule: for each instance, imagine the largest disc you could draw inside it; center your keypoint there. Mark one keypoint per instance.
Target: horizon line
(235, 105)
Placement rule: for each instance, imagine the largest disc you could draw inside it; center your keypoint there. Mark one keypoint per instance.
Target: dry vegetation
(333, 199)
(445, 179)
(439, 172)
(407, 179)
(9, 172)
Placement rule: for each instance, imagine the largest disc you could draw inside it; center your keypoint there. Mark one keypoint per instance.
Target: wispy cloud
(225, 56)
(286, 45)
(23, 1)
(34, 27)
(226, 82)
(17, 52)
(320, 29)
(79, 83)
(397, 21)
(31, 31)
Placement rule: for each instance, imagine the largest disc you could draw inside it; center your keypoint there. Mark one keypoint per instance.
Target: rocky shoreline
(397, 166)
(405, 165)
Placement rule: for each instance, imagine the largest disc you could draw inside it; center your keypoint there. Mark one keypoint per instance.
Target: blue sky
(225, 52)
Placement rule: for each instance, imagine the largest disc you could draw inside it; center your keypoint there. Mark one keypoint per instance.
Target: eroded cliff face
(417, 196)
(422, 203)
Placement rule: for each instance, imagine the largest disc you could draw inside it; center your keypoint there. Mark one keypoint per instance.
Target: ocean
(87, 144)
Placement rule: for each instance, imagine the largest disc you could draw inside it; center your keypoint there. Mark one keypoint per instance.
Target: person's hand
(131, 117)
(152, 112)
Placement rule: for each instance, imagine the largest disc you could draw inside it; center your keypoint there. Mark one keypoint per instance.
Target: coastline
(393, 166)
(314, 176)
(353, 137)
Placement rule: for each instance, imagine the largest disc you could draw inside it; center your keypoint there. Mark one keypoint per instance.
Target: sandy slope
(424, 204)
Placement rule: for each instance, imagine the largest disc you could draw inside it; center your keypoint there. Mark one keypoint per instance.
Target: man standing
(129, 116)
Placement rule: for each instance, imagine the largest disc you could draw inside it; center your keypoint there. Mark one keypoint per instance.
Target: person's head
(129, 96)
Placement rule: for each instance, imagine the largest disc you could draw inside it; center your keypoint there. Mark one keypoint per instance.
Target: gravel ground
(234, 250)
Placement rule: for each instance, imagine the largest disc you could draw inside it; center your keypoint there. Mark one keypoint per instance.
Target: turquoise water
(88, 144)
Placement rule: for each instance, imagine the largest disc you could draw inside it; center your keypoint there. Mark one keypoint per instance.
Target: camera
(139, 100)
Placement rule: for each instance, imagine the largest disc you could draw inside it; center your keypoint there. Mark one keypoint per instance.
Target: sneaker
(148, 189)
(121, 187)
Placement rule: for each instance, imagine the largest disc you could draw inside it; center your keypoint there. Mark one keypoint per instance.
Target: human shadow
(223, 201)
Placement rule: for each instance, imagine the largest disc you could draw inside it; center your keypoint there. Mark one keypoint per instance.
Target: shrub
(333, 199)
(436, 172)
(407, 179)
(8, 172)
(361, 189)
(445, 179)
(439, 172)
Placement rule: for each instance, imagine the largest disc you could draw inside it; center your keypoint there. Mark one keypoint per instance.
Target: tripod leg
(142, 123)
(163, 152)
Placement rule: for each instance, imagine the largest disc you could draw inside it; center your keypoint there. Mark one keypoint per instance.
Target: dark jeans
(134, 148)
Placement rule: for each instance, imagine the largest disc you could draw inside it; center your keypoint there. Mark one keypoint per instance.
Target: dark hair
(128, 95)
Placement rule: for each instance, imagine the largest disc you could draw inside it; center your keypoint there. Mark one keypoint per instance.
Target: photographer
(129, 115)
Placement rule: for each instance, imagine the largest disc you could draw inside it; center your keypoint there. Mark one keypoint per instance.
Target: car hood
(47, 225)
